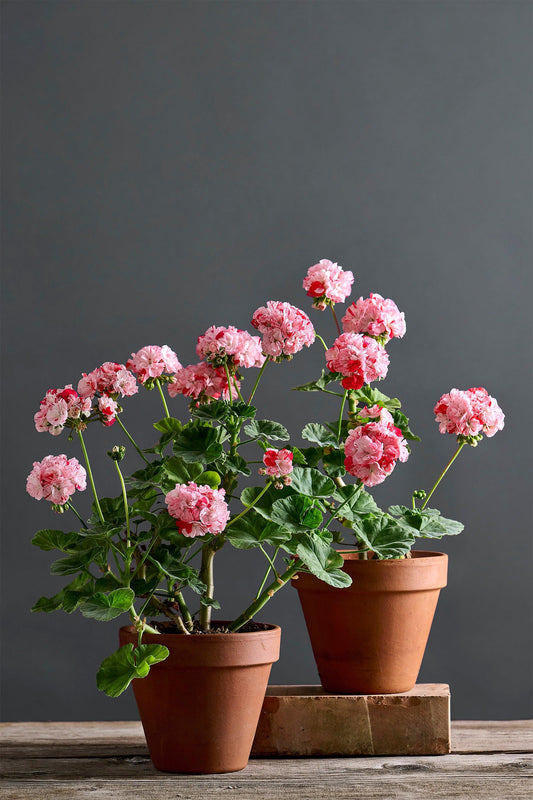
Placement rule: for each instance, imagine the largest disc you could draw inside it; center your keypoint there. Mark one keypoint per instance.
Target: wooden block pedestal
(307, 721)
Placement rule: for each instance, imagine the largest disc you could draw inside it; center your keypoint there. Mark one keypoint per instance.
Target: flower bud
(117, 453)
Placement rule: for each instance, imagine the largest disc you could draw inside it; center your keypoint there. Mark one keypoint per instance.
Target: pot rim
(419, 555)
(273, 630)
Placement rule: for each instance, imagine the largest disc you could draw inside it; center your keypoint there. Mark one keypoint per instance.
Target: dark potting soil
(166, 626)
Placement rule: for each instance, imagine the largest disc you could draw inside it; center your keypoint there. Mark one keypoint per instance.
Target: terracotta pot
(200, 707)
(370, 637)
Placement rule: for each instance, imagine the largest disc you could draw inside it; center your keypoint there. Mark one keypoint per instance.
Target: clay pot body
(200, 707)
(370, 637)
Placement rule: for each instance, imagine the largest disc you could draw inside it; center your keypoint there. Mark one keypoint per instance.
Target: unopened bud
(59, 509)
(117, 453)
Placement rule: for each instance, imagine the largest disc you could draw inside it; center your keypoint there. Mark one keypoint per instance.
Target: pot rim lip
(419, 555)
(274, 630)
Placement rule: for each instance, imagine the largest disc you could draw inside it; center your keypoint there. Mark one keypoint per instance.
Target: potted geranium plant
(149, 552)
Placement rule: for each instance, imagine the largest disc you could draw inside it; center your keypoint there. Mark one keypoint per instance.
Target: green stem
(185, 613)
(236, 385)
(125, 501)
(270, 568)
(141, 627)
(443, 473)
(247, 509)
(339, 427)
(320, 339)
(256, 384)
(91, 479)
(68, 504)
(132, 440)
(336, 320)
(158, 384)
(264, 597)
(206, 576)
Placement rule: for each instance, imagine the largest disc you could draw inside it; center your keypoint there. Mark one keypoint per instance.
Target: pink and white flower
(372, 450)
(111, 378)
(327, 283)
(285, 328)
(56, 478)
(58, 407)
(278, 464)
(374, 316)
(469, 413)
(152, 361)
(231, 346)
(197, 509)
(108, 409)
(360, 359)
(202, 382)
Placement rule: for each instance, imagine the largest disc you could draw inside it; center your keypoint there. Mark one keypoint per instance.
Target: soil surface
(166, 626)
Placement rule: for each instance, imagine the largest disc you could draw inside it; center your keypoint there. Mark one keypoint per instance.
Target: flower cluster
(197, 509)
(360, 359)
(153, 361)
(372, 450)
(469, 414)
(375, 316)
(203, 383)
(285, 328)
(327, 283)
(278, 465)
(60, 407)
(56, 478)
(111, 378)
(231, 346)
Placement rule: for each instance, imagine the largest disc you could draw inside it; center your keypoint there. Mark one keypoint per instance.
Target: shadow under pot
(200, 707)
(370, 637)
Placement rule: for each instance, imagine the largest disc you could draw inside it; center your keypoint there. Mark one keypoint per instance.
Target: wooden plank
(69, 739)
(307, 721)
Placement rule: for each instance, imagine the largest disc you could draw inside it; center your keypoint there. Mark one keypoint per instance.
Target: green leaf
(264, 504)
(68, 598)
(322, 561)
(198, 443)
(176, 470)
(209, 602)
(236, 463)
(402, 422)
(314, 432)
(146, 478)
(311, 482)
(372, 397)
(105, 607)
(267, 429)
(385, 536)
(321, 383)
(77, 562)
(54, 540)
(312, 455)
(242, 411)
(252, 529)
(297, 513)
(49, 604)
(169, 426)
(356, 503)
(334, 463)
(128, 662)
(298, 458)
(428, 524)
(217, 410)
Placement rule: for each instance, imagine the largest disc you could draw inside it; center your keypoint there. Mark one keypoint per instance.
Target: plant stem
(135, 618)
(320, 339)
(206, 576)
(236, 385)
(256, 384)
(132, 440)
(125, 500)
(158, 384)
(270, 568)
(443, 473)
(336, 320)
(185, 613)
(247, 509)
(91, 479)
(265, 596)
(68, 504)
(339, 428)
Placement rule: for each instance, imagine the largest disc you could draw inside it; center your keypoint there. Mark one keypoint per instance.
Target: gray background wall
(169, 165)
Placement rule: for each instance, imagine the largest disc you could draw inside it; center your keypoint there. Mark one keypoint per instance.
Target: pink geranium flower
(56, 478)
(152, 361)
(372, 450)
(111, 378)
(278, 464)
(203, 383)
(285, 328)
(108, 409)
(230, 346)
(197, 509)
(374, 316)
(469, 413)
(360, 359)
(60, 407)
(327, 283)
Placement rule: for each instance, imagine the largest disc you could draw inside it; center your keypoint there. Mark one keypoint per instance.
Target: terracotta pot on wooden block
(200, 707)
(370, 637)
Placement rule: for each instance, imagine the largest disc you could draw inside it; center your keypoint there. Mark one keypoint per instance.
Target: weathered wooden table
(97, 760)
